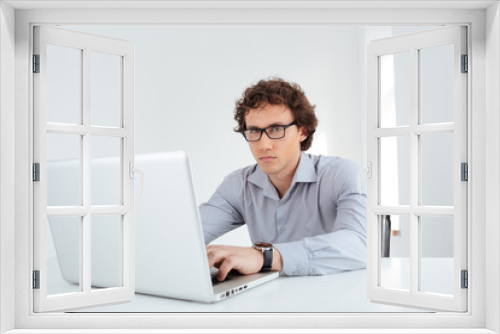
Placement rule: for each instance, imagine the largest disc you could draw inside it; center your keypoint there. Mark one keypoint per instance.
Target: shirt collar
(304, 173)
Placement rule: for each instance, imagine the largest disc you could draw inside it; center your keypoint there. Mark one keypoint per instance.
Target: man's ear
(303, 133)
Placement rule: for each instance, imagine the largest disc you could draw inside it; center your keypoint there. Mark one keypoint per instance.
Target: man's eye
(276, 129)
(253, 131)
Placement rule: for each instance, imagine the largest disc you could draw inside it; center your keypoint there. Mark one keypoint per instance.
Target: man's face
(276, 157)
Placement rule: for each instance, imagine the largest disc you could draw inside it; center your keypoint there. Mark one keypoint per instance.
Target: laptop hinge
(36, 279)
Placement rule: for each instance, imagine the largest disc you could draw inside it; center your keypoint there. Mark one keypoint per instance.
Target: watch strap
(268, 259)
(267, 252)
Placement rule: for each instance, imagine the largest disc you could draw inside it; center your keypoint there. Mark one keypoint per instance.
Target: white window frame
(86, 297)
(484, 212)
(413, 44)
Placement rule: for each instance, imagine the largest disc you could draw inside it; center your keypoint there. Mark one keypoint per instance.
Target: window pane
(395, 170)
(395, 90)
(436, 84)
(63, 169)
(105, 89)
(63, 255)
(106, 170)
(437, 169)
(106, 252)
(64, 84)
(395, 252)
(437, 255)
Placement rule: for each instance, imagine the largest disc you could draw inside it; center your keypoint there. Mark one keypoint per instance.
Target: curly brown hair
(277, 91)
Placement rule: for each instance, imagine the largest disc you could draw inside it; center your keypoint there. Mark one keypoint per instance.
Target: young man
(303, 212)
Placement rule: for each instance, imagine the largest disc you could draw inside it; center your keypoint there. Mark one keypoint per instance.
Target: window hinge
(36, 279)
(36, 63)
(36, 172)
(465, 279)
(465, 64)
(464, 171)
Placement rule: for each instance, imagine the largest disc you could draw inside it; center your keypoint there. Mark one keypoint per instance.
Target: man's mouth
(266, 158)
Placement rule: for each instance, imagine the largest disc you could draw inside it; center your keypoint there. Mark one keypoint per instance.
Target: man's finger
(226, 266)
(215, 257)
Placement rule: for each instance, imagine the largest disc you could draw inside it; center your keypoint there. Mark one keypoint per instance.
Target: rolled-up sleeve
(325, 254)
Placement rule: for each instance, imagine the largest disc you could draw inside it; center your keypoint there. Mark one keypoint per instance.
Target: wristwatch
(267, 251)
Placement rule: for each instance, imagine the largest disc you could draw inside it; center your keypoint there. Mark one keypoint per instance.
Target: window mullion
(127, 184)
(86, 177)
(414, 170)
(86, 221)
(82, 130)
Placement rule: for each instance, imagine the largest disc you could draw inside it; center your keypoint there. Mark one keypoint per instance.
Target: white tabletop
(344, 292)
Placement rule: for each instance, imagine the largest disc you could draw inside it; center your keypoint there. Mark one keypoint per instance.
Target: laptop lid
(170, 253)
(171, 258)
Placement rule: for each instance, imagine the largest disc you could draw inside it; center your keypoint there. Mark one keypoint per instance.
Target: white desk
(344, 292)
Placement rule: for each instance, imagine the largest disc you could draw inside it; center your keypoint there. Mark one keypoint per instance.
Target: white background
(188, 78)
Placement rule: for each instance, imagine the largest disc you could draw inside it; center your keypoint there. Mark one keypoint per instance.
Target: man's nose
(265, 143)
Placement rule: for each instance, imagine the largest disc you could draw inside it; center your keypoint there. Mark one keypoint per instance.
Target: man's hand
(246, 260)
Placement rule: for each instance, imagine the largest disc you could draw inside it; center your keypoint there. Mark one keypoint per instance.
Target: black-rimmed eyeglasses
(273, 132)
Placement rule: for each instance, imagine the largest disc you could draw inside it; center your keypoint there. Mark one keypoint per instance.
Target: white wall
(188, 78)
(7, 166)
(492, 185)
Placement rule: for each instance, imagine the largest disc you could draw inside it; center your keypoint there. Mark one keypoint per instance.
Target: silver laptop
(171, 258)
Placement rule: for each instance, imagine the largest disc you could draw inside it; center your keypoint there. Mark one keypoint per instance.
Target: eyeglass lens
(273, 132)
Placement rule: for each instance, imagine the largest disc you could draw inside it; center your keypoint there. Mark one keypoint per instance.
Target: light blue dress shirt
(319, 226)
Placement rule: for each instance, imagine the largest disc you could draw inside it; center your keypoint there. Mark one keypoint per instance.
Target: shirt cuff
(295, 258)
